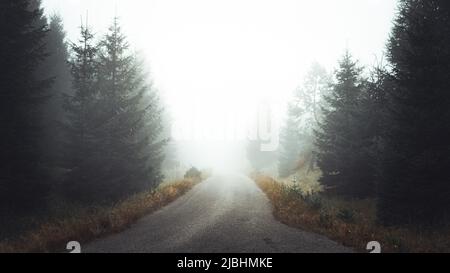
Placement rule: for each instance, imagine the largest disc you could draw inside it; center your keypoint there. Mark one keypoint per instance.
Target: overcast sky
(223, 55)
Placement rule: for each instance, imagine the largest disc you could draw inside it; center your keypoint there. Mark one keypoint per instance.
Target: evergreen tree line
(386, 135)
(80, 121)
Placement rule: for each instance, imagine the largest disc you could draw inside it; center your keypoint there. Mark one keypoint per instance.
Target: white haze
(215, 61)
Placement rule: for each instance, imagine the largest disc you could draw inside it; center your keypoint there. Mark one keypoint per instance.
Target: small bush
(193, 173)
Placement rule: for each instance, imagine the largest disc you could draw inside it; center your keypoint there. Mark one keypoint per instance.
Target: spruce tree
(307, 110)
(374, 122)
(55, 67)
(130, 133)
(414, 186)
(342, 156)
(81, 146)
(23, 184)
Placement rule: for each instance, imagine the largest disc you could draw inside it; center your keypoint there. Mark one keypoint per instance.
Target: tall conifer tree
(22, 179)
(341, 141)
(130, 132)
(81, 145)
(415, 188)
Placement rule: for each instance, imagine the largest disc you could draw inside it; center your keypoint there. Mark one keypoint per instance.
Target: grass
(89, 224)
(352, 223)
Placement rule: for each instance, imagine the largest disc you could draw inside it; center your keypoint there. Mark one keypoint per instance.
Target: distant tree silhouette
(304, 113)
(290, 146)
(308, 108)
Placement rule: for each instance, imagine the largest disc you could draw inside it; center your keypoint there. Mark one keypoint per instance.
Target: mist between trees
(262, 125)
(379, 132)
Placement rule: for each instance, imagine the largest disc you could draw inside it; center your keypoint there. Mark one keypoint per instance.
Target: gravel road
(224, 214)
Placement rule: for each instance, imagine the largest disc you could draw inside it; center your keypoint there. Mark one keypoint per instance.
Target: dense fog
(215, 62)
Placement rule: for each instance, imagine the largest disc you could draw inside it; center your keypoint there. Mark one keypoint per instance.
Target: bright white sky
(224, 56)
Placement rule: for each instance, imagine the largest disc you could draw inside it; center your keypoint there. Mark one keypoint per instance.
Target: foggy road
(225, 214)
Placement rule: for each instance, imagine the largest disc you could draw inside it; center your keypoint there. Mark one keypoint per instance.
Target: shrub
(193, 173)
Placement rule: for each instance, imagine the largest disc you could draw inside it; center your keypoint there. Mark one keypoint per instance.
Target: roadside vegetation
(350, 222)
(86, 224)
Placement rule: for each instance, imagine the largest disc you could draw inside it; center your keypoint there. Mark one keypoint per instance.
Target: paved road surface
(225, 214)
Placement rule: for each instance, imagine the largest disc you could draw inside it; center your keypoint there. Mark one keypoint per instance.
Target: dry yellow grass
(94, 223)
(306, 180)
(350, 222)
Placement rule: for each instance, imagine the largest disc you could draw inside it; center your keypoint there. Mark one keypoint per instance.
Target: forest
(82, 124)
(379, 132)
